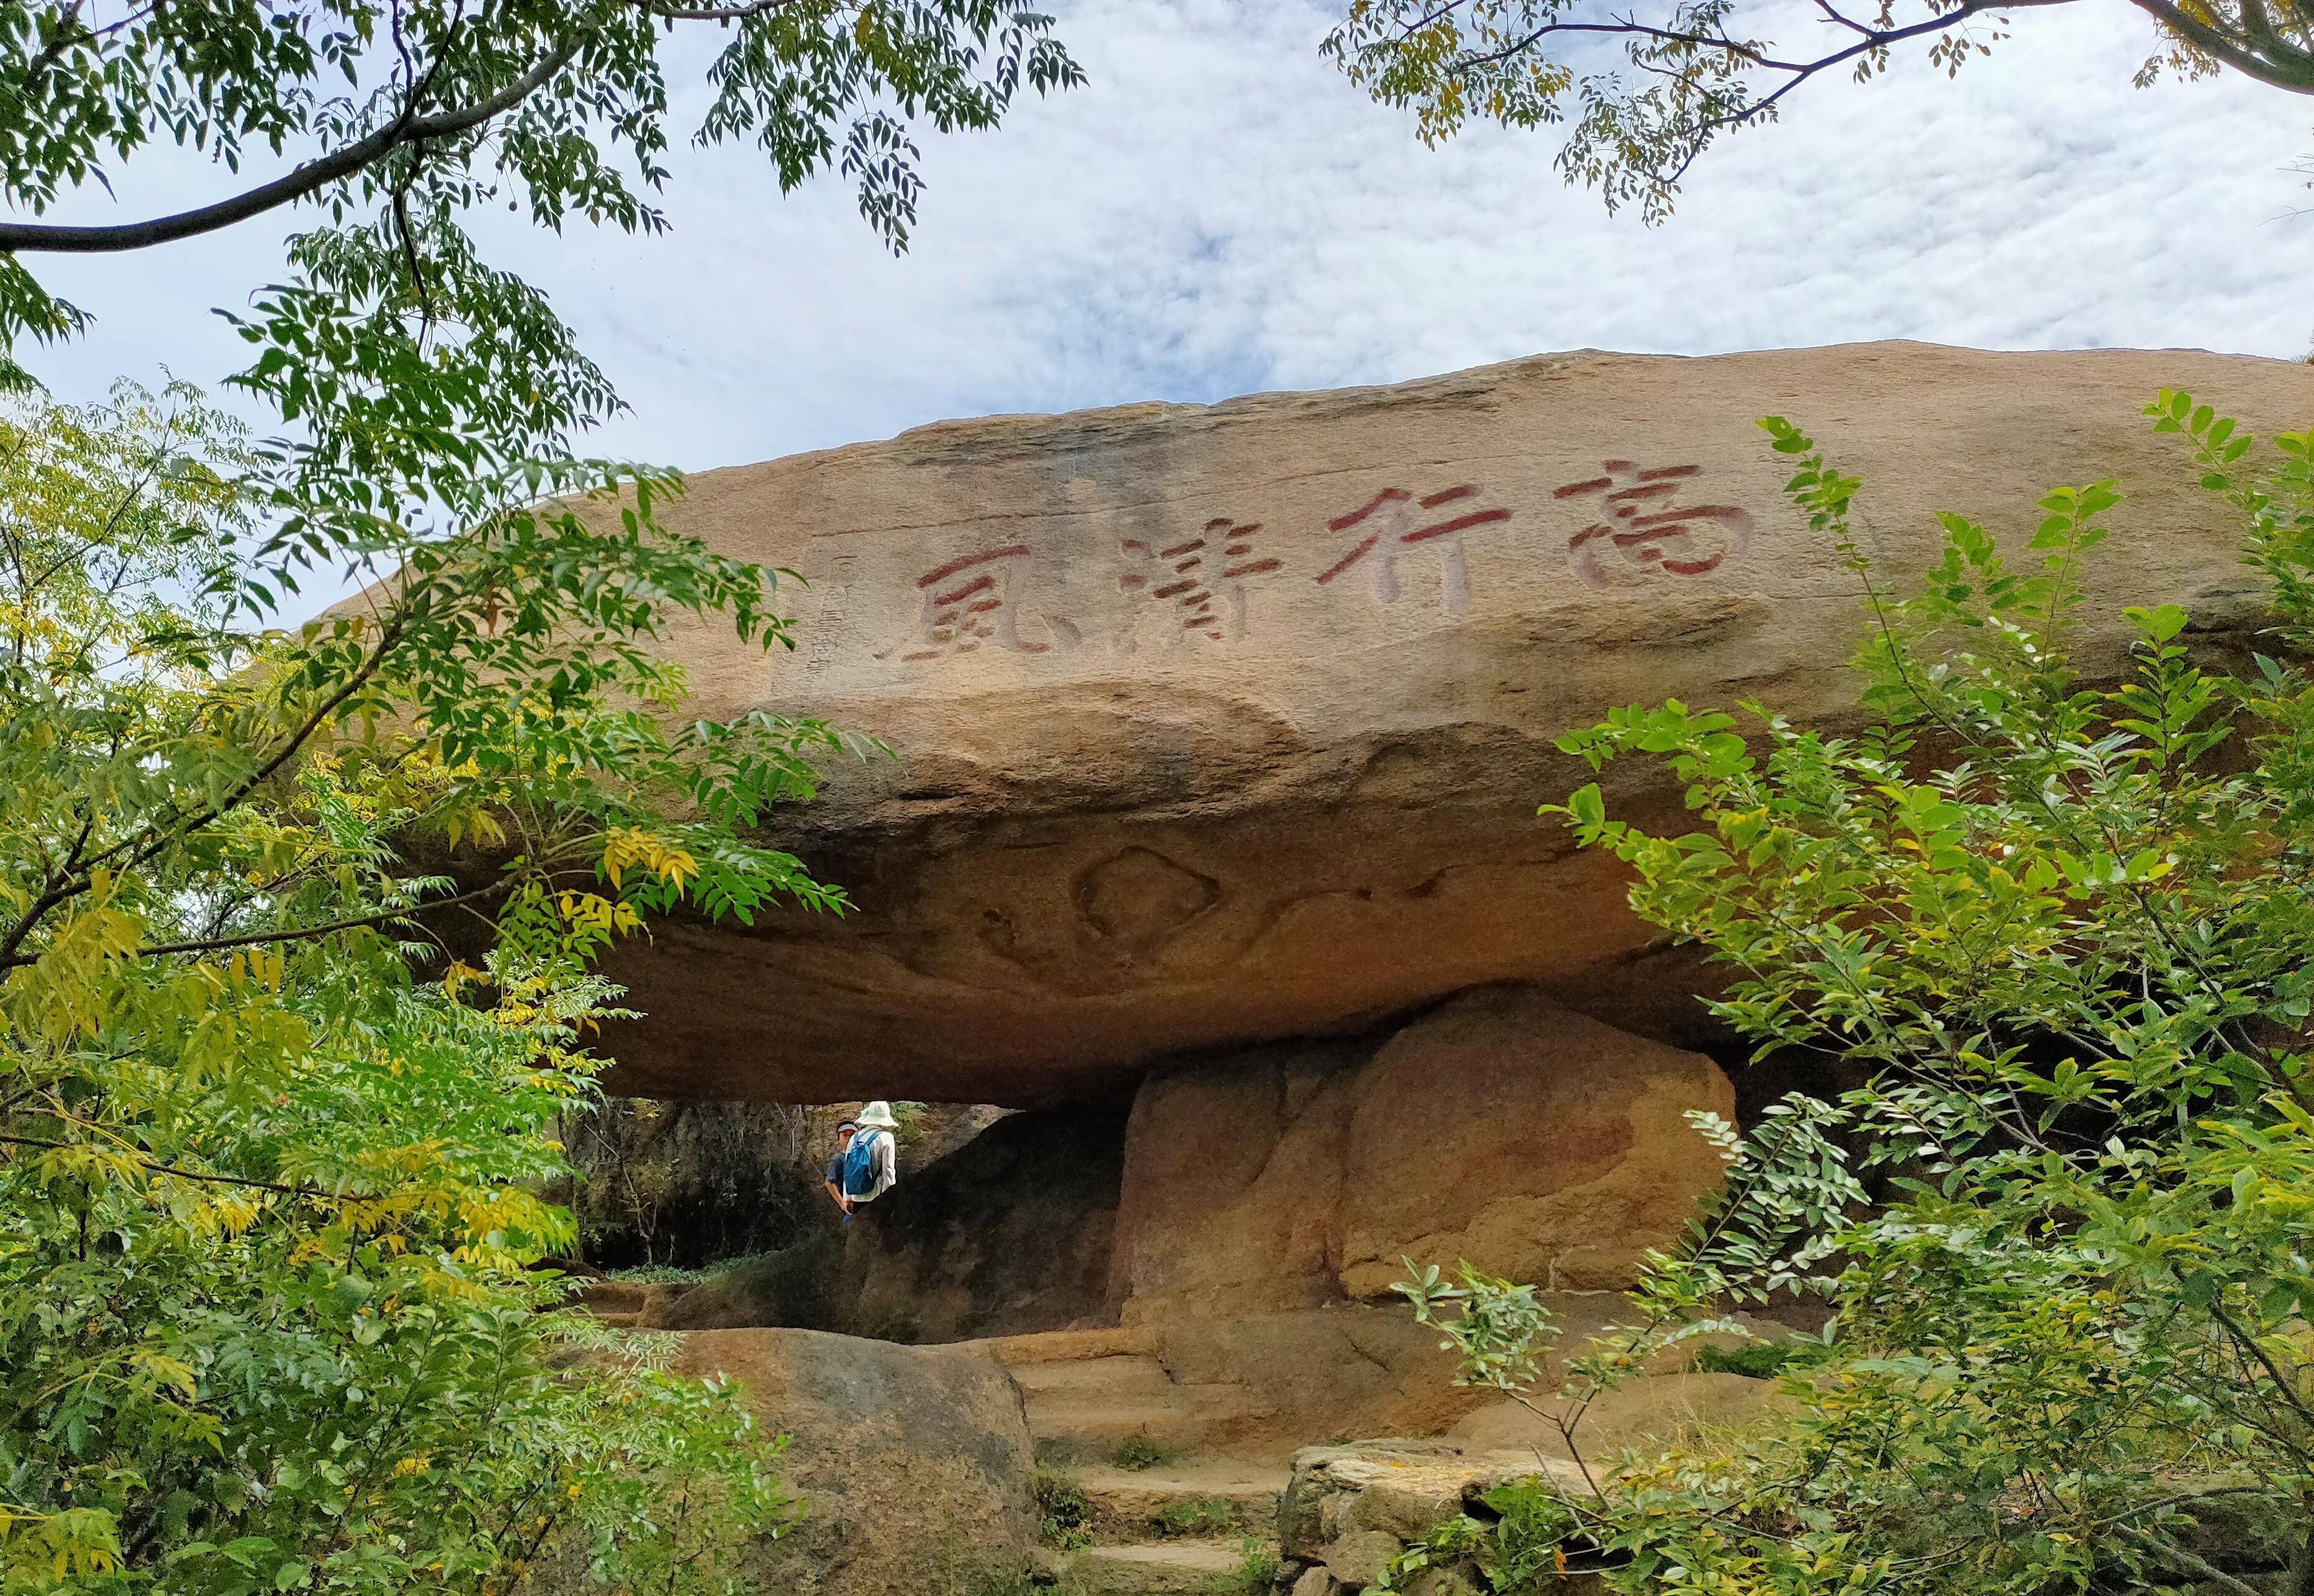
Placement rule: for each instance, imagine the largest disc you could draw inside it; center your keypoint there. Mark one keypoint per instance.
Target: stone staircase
(1162, 1568)
(1087, 1390)
(1179, 1527)
(1189, 1521)
(616, 1302)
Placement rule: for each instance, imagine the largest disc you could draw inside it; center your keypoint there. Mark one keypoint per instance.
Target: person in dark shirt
(843, 1134)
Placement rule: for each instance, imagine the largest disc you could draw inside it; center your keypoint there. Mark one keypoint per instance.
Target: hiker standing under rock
(864, 1169)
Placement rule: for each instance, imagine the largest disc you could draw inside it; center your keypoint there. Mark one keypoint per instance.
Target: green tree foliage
(2064, 1230)
(1642, 94)
(268, 1222)
(393, 121)
(266, 1161)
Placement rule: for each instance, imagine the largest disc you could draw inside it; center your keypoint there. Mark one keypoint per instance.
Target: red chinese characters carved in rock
(1387, 523)
(981, 600)
(1644, 532)
(1202, 580)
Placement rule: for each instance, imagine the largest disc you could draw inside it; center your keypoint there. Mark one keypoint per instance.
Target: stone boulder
(1224, 724)
(1500, 1130)
(1647, 1415)
(914, 1465)
(1233, 1183)
(1349, 1510)
(1008, 1235)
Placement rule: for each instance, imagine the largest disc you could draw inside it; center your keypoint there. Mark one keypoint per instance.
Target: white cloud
(1219, 213)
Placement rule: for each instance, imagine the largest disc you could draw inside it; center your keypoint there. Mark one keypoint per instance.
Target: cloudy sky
(1219, 213)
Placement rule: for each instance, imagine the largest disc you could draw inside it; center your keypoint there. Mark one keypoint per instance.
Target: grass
(1258, 1570)
(1064, 1516)
(1138, 1452)
(1763, 1359)
(662, 1273)
(1210, 1516)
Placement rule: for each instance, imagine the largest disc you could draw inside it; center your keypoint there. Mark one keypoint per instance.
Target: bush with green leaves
(1064, 1516)
(269, 1156)
(2067, 926)
(1139, 1451)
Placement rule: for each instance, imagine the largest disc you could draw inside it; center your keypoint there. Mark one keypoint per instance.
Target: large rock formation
(914, 1465)
(1009, 1234)
(1501, 1130)
(1224, 724)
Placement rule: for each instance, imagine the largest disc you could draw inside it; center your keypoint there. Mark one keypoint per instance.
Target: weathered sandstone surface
(1219, 725)
(1500, 1129)
(913, 1464)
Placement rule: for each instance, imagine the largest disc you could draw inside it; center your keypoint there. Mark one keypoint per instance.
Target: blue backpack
(860, 1166)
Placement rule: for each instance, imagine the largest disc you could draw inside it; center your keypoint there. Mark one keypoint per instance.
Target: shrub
(1208, 1515)
(1763, 1359)
(1139, 1451)
(270, 1158)
(1065, 1518)
(2075, 953)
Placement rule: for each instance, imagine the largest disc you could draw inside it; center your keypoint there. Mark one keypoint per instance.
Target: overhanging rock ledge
(1228, 723)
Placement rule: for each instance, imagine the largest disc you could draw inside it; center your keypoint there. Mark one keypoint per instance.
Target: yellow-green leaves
(2059, 957)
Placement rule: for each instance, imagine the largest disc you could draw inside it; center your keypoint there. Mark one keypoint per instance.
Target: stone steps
(608, 1299)
(1160, 1568)
(1088, 1405)
(1188, 1499)
(1066, 1346)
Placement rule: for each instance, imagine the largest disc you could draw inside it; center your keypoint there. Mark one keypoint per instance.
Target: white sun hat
(878, 1115)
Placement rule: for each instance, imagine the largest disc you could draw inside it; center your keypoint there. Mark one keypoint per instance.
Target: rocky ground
(1141, 1462)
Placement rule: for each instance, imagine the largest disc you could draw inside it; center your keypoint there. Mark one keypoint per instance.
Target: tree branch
(2249, 1344)
(172, 1171)
(293, 934)
(2292, 69)
(64, 889)
(709, 13)
(19, 237)
(2177, 1557)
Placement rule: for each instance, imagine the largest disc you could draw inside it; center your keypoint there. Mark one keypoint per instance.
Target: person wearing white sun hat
(866, 1161)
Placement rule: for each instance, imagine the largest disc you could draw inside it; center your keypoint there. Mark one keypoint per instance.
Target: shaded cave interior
(1233, 1182)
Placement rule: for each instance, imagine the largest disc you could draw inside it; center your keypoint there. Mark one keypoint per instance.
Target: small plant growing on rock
(1065, 1518)
(1208, 1516)
(1258, 1572)
(1138, 1452)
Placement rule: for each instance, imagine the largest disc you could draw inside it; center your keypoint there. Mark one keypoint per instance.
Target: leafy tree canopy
(386, 124)
(269, 1158)
(2063, 1229)
(1643, 92)
(270, 1306)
